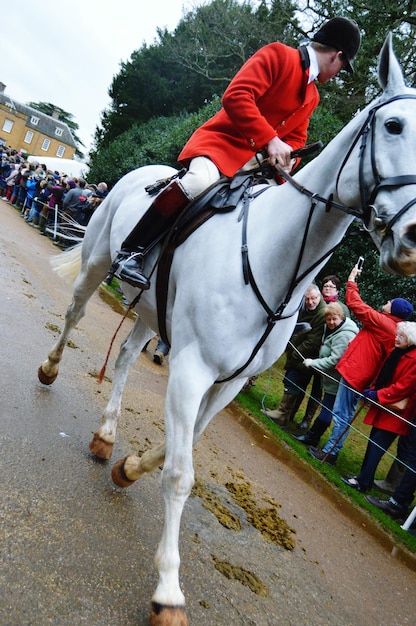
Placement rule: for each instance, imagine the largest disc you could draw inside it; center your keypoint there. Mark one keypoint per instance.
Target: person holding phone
(361, 361)
(360, 264)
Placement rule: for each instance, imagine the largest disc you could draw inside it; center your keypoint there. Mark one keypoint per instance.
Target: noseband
(369, 214)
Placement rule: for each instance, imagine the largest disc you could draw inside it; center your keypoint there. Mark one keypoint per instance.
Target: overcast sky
(67, 52)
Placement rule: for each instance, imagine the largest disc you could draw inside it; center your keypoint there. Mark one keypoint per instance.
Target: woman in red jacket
(266, 106)
(396, 382)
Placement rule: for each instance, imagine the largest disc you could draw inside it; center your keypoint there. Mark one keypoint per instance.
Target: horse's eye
(394, 126)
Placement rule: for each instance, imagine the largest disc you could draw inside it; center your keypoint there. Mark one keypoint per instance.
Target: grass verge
(267, 391)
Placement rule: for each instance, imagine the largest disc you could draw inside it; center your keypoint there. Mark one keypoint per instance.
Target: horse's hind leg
(85, 285)
(102, 443)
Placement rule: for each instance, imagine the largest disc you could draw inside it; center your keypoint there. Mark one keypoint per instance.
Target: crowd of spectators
(45, 196)
(370, 373)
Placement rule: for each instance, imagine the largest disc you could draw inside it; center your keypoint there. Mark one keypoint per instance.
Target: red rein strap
(104, 367)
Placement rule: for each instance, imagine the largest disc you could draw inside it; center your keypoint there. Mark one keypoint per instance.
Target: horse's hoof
(100, 448)
(119, 476)
(162, 615)
(44, 378)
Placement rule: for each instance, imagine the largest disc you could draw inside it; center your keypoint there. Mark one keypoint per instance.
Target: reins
(274, 316)
(364, 213)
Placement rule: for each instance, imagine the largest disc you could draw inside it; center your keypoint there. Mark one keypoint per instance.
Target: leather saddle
(222, 197)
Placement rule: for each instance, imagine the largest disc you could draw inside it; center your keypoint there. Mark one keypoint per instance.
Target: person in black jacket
(300, 347)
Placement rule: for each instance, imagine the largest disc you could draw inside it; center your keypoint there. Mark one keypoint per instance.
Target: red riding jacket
(366, 353)
(402, 386)
(268, 96)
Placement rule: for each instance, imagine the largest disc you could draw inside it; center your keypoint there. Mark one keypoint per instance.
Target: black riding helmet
(341, 34)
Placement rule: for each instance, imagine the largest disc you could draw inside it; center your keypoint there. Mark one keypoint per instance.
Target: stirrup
(121, 255)
(133, 276)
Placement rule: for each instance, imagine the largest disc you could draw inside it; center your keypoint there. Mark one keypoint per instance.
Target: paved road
(76, 549)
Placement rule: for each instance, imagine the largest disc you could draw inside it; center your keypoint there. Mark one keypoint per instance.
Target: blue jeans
(21, 194)
(379, 442)
(344, 408)
(33, 211)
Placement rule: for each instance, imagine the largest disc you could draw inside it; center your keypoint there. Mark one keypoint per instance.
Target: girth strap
(273, 316)
(221, 197)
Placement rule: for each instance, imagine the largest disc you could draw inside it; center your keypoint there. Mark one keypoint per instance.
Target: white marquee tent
(64, 166)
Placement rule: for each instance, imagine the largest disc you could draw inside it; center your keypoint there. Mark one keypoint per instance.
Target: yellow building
(32, 132)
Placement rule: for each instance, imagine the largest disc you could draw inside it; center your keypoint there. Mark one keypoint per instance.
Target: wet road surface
(76, 549)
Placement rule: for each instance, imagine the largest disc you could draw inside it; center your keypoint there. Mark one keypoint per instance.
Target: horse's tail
(68, 264)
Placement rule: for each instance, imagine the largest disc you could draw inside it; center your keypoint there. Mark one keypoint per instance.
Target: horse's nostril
(410, 234)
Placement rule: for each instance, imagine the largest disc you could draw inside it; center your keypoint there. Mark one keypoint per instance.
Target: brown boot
(288, 406)
(42, 224)
(296, 406)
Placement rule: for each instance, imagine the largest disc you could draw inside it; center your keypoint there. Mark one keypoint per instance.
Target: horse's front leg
(168, 602)
(103, 440)
(187, 385)
(126, 471)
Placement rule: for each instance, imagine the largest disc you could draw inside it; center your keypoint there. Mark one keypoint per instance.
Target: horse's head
(385, 150)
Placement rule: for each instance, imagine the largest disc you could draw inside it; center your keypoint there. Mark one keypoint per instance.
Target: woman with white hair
(395, 389)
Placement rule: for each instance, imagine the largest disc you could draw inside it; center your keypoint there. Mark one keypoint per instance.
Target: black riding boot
(165, 208)
(312, 437)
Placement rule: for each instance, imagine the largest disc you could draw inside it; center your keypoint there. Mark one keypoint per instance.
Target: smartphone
(360, 262)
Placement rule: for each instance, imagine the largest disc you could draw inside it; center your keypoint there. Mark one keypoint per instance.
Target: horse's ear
(390, 74)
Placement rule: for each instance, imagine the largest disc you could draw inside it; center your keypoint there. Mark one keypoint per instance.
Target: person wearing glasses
(330, 293)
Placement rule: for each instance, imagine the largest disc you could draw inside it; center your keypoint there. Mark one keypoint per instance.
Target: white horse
(214, 319)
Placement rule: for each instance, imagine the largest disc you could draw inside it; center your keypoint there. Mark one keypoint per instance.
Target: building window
(7, 126)
(45, 145)
(60, 151)
(58, 132)
(34, 120)
(28, 137)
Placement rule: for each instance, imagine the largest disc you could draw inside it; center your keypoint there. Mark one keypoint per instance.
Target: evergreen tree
(64, 116)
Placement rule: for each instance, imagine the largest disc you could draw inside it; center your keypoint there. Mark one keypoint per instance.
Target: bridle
(368, 213)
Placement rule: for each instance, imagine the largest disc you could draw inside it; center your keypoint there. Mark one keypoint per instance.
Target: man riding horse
(267, 105)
